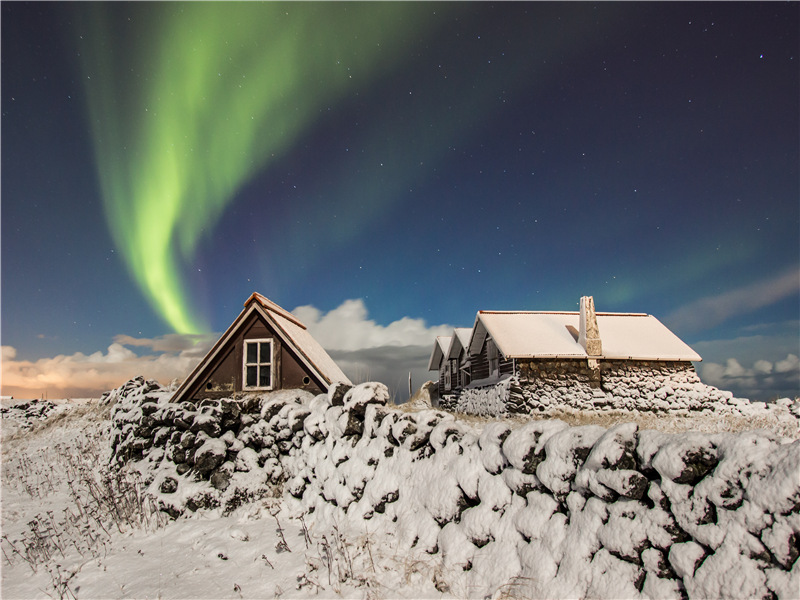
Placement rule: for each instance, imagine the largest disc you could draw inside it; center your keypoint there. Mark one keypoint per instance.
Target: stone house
(584, 346)
(266, 348)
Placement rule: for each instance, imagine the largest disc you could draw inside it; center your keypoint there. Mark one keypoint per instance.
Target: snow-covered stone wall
(552, 510)
(652, 387)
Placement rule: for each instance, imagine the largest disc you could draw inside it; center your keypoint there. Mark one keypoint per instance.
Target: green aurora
(214, 92)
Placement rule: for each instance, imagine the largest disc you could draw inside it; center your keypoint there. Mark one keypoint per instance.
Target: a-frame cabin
(266, 348)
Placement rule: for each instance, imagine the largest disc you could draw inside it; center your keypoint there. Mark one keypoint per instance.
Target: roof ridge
(558, 312)
(272, 306)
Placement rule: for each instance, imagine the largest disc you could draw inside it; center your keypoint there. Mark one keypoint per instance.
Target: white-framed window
(447, 377)
(257, 373)
(494, 359)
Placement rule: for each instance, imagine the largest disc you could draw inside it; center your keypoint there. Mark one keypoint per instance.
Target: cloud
(388, 364)
(708, 312)
(367, 351)
(172, 342)
(763, 381)
(348, 328)
(364, 350)
(81, 375)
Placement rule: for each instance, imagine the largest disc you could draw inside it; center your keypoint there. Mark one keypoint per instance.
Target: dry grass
(779, 421)
(93, 412)
(515, 589)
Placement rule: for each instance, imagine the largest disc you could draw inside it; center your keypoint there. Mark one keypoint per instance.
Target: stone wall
(543, 385)
(557, 511)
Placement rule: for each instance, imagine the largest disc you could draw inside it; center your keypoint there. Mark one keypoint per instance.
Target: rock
(616, 449)
(169, 485)
(491, 443)
(353, 426)
(162, 436)
(148, 408)
(625, 482)
(251, 405)
(178, 455)
(187, 440)
(566, 452)
(686, 558)
(387, 498)
(686, 458)
(210, 455)
(357, 398)
(337, 392)
(220, 479)
(207, 422)
(297, 418)
(525, 446)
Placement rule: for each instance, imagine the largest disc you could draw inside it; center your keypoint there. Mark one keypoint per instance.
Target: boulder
(169, 485)
(337, 392)
(210, 455)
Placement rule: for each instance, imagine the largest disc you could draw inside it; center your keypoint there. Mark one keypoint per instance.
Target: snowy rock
(221, 478)
(490, 442)
(357, 398)
(525, 447)
(566, 451)
(783, 540)
(685, 558)
(337, 392)
(210, 455)
(169, 485)
(686, 458)
(207, 420)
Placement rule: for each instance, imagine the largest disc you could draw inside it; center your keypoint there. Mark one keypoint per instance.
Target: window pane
(252, 350)
(263, 377)
(265, 353)
(252, 378)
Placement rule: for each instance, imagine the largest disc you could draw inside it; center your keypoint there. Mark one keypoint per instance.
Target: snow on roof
(641, 337)
(308, 348)
(440, 347)
(460, 339)
(525, 334)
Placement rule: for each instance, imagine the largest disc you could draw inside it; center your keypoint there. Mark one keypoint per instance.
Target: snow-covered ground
(256, 551)
(74, 528)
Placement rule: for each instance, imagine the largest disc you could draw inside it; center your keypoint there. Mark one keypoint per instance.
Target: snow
(660, 396)
(554, 334)
(307, 498)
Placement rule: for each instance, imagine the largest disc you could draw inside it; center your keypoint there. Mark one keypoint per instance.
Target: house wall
(480, 363)
(224, 375)
(610, 375)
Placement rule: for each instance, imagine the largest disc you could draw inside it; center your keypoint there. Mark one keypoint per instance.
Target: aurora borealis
(202, 100)
(162, 161)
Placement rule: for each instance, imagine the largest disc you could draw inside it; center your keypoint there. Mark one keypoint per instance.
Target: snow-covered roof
(301, 341)
(460, 339)
(526, 334)
(440, 347)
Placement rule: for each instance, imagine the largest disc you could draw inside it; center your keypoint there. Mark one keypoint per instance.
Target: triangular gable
(297, 337)
(461, 337)
(292, 333)
(440, 347)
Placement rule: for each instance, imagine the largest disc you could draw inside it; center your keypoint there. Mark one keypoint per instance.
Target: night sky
(401, 164)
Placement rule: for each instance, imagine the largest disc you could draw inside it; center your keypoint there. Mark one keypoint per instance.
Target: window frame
(259, 364)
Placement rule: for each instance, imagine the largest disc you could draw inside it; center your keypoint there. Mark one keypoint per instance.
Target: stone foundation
(543, 384)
